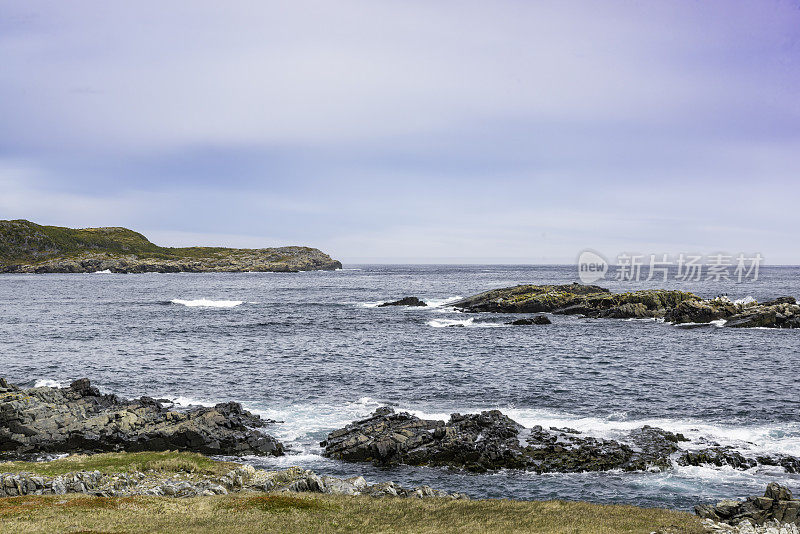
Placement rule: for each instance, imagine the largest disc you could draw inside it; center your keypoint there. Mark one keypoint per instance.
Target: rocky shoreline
(677, 307)
(80, 419)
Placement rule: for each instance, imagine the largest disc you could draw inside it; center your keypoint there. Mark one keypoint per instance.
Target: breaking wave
(207, 303)
(465, 323)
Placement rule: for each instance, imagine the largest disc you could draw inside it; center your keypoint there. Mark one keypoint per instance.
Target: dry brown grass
(304, 513)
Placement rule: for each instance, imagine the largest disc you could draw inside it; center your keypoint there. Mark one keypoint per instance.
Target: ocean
(313, 350)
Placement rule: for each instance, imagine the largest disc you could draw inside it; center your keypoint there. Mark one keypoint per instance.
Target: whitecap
(466, 323)
(745, 301)
(47, 383)
(719, 323)
(185, 402)
(371, 304)
(207, 303)
(437, 303)
(107, 271)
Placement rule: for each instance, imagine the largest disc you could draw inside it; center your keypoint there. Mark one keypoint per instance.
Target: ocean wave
(107, 271)
(207, 303)
(466, 323)
(374, 304)
(438, 303)
(744, 301)
(185, 402)
(47, 383)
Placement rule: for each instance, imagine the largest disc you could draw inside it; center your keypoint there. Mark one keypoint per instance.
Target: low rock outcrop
(242, 478)
(405, 301)
(490, 441)
(777, 505)
(81, 419)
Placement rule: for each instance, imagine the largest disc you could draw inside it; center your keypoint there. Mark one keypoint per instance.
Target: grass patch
(124, 462)
(275, 503)
(304, 513)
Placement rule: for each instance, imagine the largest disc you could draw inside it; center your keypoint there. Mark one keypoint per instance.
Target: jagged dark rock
(777, 504)
(405, 301)
(490, 441)
(536, 319)
(26, 247)
(81, 419)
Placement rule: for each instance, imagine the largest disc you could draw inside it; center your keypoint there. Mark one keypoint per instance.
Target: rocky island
(26, 247)
(677, 307)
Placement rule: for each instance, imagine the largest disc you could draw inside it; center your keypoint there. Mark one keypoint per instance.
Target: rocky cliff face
(81, 419)
(26, 247)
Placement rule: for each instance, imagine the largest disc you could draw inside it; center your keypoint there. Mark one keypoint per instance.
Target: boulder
(405, 301)
(81, 419)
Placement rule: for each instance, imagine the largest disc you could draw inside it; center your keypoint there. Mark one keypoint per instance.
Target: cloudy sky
(409, 131)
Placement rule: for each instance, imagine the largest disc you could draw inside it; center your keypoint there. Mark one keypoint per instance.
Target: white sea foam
(206, 303)
(745, 301)
(438, 303)
(47, 383)
(370, 304)
(719, 322)
(107, 271)
(188, 401)
(465, 323)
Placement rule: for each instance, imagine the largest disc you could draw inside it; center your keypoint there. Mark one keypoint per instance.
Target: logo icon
(591, 267)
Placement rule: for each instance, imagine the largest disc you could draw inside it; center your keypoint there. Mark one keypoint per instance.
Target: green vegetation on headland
(30, 247)
(290, 512)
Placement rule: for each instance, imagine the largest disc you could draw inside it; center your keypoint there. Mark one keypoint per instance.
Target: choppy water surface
(311, 349)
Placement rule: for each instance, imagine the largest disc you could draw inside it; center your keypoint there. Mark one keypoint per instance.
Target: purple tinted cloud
(403, 130)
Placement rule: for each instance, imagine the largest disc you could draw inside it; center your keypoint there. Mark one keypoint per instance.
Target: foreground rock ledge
(491, 440)
(81, 419)
(678, 307)
(243, 478)
(776, 506)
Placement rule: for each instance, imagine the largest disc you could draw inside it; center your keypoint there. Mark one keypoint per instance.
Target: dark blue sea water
(311, 349)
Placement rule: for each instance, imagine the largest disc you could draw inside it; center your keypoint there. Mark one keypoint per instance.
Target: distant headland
(27, 247)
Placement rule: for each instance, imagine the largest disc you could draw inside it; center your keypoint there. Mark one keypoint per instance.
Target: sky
(409, 131)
